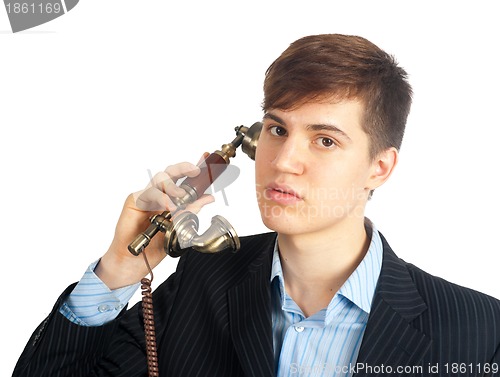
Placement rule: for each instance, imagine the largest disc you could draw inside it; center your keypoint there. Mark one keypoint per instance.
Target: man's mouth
(282, 194)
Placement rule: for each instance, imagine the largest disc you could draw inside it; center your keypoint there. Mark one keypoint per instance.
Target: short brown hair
(344, 67)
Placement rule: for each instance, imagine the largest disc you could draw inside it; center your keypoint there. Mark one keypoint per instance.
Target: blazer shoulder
(458, 313)
(431, 285)
(440, 301)
(435, 288)
(255, 254)
(257, 241)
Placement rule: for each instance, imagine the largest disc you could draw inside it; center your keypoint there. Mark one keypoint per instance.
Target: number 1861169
(462, 368)
(25, 8)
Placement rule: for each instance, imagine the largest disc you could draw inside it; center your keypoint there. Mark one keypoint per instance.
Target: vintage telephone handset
(181, 232)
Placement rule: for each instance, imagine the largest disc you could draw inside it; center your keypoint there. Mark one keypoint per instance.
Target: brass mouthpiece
(183, 234)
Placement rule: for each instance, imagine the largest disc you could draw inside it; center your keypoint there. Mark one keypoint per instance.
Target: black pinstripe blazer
(213, 318)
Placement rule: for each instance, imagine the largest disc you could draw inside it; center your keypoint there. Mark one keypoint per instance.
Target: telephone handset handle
(211, 168)
(216, 163)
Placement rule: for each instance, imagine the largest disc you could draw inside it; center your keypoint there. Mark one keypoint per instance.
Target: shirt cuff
(92, 303)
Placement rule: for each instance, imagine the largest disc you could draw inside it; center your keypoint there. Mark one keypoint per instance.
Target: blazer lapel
(390, 339)
(250, 317)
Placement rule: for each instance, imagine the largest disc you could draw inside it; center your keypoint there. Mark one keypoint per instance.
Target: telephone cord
(149, 322)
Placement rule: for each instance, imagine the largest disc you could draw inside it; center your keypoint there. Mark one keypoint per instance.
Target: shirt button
(119, 307)
(103, 308)
(299, 328)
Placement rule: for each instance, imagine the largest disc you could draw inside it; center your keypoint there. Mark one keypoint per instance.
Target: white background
(90, 101)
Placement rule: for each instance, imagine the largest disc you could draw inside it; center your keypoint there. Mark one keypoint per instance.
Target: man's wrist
(92, 303)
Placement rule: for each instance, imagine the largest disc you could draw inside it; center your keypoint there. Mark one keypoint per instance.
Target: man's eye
(325, 142)
(277, 131)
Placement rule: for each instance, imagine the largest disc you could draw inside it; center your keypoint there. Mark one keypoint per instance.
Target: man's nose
(290, 157)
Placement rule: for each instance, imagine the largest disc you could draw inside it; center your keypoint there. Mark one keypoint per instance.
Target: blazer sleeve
(60, 348)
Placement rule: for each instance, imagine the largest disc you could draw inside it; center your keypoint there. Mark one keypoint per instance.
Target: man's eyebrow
(311, 127)
(328, 127)
(276, 118)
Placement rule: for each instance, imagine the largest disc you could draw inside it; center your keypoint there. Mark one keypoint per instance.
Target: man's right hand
(118, 267)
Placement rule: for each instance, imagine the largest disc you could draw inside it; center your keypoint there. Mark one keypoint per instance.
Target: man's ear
(382, 167)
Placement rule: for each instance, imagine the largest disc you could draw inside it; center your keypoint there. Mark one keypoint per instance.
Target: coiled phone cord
(149, 322)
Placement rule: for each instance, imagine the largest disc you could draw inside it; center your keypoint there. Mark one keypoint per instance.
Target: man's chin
(283, 226)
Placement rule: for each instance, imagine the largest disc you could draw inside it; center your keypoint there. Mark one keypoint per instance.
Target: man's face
(312, 167)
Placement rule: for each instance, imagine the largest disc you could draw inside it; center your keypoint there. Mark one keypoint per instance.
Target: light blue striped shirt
(324, 344)
(327, 343)
(92, 303)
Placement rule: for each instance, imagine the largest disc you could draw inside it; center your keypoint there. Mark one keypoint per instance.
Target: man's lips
(282, 194)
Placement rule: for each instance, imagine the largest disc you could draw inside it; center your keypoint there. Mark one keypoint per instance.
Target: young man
(324, 294)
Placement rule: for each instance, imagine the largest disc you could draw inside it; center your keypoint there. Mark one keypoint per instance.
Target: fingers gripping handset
(181, 230)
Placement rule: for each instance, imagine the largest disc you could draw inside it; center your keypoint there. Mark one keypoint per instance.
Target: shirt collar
(276, 271)
(359, 288)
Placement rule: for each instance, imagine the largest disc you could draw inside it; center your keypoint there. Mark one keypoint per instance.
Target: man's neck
(316, 265)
